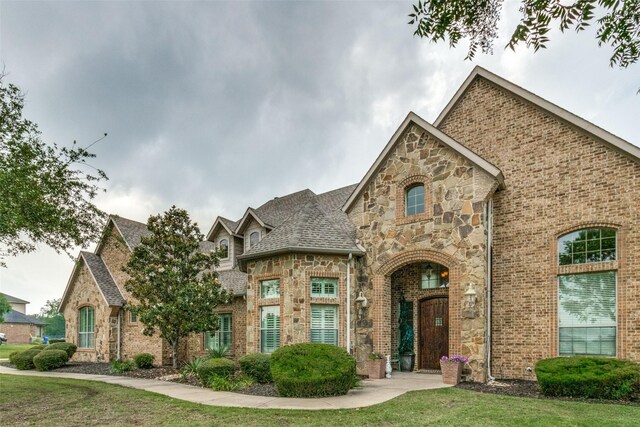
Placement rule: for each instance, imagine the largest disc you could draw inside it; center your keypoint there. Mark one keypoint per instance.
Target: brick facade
(558, 178)
(20, 333)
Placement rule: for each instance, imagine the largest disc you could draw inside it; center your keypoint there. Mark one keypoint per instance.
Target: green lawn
(39, 401)
(7, 349)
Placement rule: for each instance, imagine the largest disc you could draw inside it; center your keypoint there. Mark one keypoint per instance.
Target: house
(507, 231)
(17, 326)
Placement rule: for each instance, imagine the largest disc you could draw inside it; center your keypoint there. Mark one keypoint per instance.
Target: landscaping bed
(105, 369)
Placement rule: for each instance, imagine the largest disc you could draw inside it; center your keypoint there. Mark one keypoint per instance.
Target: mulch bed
(522, 388)
(268, 390)
(105, 369)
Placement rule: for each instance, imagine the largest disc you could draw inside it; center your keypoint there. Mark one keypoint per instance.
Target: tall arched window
(224, 248)
(86, 328)
(254, 238)
(414, 200)
(587, 313)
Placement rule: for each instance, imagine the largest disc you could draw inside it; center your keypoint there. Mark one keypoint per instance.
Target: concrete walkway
(372, 391)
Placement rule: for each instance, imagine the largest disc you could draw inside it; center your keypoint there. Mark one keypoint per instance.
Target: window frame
(275, 330)
(220, 335)
(226, 241)
(323, 282)
(407, 196)
(402, 189)
(336, 317)
(266, 282)
(86, 339)
(133, 318)
(562, 239)
(253, 233)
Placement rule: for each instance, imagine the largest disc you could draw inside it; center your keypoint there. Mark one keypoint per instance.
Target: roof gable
(17, 317)
(13, 299)
(478, 72)
(227, 224)
(436, 133)
(246, 220)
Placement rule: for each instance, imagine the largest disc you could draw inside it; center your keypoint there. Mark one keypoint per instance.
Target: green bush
(191, 368)
(312, 370)
(256, 366)
(12, 355)
(24, 359)
(39, 346)
(222, 368)
(36, 341)
(220, 352)
(55, 341)
(118, 366)
(70, 348)
(47, 360)
(232, 383)
(589, 377)
(143, 360)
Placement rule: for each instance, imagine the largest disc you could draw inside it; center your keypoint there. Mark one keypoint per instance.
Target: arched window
(414, 200)
(86, 328)
(587, 314)
(254, 238)
(224, 248)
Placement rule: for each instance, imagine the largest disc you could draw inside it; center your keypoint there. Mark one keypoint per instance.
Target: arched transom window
(254, 238)
(224, 248)
(587, 310)
(414, 200)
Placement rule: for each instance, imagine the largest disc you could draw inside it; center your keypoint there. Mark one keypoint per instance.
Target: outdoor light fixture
(428, 270)
(470, 296)
(362, 299)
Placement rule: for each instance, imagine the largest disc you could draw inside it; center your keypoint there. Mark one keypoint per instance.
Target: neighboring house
(507, 231)
(17, 326)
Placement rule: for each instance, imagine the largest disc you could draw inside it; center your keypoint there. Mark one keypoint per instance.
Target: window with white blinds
(324, 287)
(222, 337)
(324, 324)
(269, 328)
(587, 314)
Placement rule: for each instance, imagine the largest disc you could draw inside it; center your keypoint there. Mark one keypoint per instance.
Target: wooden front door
(434, 332)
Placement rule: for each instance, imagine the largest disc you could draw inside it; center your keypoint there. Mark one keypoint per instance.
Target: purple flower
(455, 359)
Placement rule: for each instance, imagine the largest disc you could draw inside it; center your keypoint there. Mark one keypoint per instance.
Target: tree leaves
(619, 25)
(45, 196)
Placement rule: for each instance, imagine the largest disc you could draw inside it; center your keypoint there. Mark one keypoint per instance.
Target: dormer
(252, 228)
(223, 236)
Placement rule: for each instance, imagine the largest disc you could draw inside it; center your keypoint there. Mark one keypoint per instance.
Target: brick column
(381, 314)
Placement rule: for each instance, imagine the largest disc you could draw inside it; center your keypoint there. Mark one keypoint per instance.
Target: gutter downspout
(489, 280)
(119, 326)
(348, 335)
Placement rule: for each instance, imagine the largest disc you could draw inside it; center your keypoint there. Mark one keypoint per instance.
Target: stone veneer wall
(86, 293)
(558, 179)
(454, 236)
(294, 272)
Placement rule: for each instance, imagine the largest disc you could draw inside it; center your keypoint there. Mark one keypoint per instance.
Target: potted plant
(451, 367)
(376, 366)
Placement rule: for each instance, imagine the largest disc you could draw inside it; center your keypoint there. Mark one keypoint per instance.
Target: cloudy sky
(216, 106)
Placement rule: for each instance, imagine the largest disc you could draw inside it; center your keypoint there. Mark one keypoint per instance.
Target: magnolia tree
(173, 281)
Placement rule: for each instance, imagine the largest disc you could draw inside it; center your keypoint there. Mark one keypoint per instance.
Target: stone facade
(558, 178)
(294, 272)
(452, 232)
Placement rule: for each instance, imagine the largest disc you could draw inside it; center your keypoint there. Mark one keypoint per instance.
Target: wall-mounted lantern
(470, 299)
(362, 300)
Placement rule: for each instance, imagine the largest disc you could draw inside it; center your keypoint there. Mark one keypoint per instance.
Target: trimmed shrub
(589, 377)
(50, 359)
(36, 341)
(233, 383)
(70, 348)
(12, 355)
(118, 366)
(24, 359)
(220, 367)
(144, 360)
(39, 346)
(312, 370)
(56, 341)
(256, 366)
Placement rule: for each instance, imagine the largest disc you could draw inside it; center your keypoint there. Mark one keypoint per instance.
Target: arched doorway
(433, 331)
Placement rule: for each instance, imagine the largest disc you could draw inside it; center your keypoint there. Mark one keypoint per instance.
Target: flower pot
(407, 362)
(451, 372)
(376, 368)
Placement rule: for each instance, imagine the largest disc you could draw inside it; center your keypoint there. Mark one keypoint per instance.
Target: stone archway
(382, 298)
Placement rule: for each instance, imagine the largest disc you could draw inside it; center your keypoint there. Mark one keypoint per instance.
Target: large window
(587, 245)
(434, 276)
(254, 238)
(222, 337)
(587, 313)
(270, 288)
(324, 287)
(324, 324)
(86, 328)
(414, 200)
(224, 249)
(269, 328)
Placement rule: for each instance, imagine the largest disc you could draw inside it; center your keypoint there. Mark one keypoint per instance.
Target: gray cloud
(216, 106)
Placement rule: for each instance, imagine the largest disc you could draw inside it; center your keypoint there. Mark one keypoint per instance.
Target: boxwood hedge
(312, 370)
(256, 366)
(144, 360)
(218, 367)
(47, 360)
(24, 359)
(589, 377)
(70, 348)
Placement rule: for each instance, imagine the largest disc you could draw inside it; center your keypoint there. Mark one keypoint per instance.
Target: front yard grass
(7, 349)
(40, 401)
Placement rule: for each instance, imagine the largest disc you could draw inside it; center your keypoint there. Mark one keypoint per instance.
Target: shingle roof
(132, 231)
(14, 299)
(277, 210)
(103, 278)
(312, 226)
(228, 223)
(234, 281)
(17, 317)
(332, 202)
